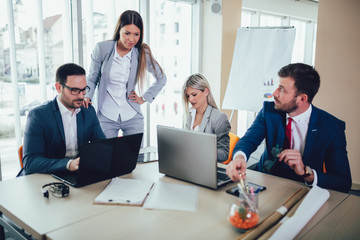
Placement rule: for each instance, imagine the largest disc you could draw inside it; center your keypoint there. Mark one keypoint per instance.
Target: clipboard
(121, 191)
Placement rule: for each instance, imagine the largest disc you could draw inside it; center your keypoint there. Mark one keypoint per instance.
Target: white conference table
(341, 223)
(129, 222)
(22, 201)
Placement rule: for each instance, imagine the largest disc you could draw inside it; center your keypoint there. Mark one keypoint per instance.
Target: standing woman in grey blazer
(117, 67)
(204, 116)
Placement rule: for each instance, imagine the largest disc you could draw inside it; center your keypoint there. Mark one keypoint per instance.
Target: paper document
(172, 196)
(125, 192)
(307, 209)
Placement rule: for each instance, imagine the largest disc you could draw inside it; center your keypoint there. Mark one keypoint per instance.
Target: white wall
(337, 60)
(211, 49)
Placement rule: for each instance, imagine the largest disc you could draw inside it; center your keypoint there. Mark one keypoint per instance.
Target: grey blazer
(215, 122)
(101, 60)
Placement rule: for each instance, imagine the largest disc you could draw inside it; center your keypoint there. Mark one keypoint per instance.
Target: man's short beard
(288, 108)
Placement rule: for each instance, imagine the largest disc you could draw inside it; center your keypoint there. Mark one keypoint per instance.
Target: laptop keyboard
(68, 177)
(71, 178)
(222, 176)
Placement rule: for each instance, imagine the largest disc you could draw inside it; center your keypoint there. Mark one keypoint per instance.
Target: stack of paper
(172, 196)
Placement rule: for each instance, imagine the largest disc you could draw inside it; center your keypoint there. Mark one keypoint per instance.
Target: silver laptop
(190, 156)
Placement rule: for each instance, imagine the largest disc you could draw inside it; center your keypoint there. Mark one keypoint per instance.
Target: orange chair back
(21, 156)
(233, 140)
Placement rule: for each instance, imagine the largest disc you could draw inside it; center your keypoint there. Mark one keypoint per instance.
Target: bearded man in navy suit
(317, 152)
(55, 130)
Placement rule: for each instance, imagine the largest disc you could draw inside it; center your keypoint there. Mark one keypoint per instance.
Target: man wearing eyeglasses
(303, 142)
(56, 129)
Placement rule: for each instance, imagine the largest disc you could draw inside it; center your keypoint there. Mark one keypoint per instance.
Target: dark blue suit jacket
(44, 137)
(325, 142)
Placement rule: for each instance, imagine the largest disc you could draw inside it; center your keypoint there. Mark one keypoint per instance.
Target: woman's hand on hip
(135, 98)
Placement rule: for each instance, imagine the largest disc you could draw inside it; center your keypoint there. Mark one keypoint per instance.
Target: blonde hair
(199, 82)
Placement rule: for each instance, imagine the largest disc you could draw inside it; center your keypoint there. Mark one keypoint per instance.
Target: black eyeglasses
(77, 91)
(268, 164)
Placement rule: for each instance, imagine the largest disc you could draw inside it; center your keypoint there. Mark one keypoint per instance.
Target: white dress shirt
(70, 130)
(193, 113)
(115, 103)
(299, 129)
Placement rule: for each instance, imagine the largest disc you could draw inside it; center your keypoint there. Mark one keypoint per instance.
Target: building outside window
(169, 48)
(98, 23)
(28, 68)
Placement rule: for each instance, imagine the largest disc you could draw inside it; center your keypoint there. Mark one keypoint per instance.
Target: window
(59, 43)
(35, 68)
(162, 28)
(299, 44)
(269, 20)
(99, 22)
(167, 107)
(246, 19)
(304, 39)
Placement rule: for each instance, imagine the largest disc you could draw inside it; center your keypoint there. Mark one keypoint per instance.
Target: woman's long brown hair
(133, 17)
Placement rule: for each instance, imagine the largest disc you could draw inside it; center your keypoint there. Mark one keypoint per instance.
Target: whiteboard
(258, 56)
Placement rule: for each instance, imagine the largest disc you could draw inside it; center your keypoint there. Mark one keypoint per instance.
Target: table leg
(2, 230)
(2, 233)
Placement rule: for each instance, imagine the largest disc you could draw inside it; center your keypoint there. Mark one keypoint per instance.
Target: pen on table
(119, 200)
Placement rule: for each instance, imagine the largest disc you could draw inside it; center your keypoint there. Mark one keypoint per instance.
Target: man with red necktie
(303, 142)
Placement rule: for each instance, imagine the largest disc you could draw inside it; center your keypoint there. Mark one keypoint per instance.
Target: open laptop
(104, 159)
(190, 156)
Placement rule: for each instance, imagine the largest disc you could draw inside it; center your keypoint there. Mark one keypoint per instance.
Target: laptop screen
(105, 159)
(188, 155)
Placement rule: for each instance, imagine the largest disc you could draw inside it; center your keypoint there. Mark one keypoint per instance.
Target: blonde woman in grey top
(204, 115)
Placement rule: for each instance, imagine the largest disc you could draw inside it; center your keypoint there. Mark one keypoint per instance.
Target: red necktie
(287, 143)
